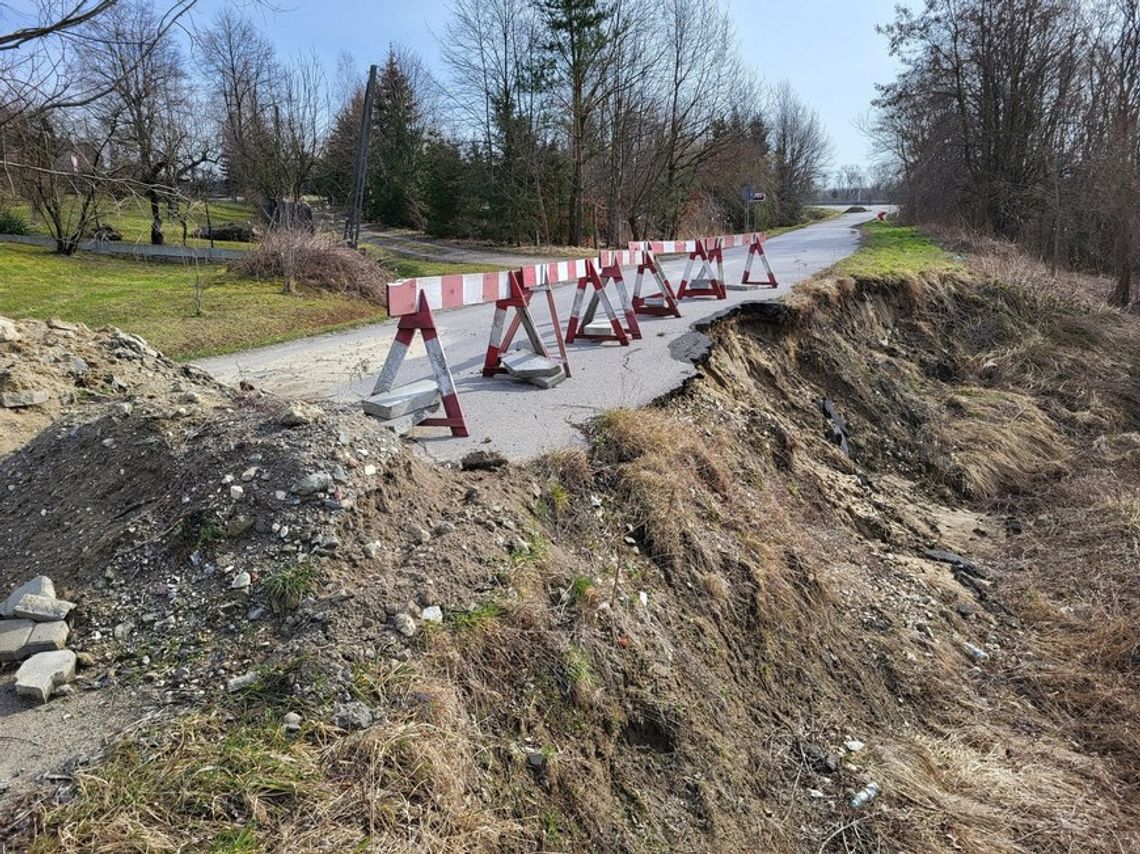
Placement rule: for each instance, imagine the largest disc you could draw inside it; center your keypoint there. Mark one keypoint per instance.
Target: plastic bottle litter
(865, 795)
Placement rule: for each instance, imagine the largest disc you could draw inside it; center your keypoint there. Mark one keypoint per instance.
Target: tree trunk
(157, 238)
(1122, 294)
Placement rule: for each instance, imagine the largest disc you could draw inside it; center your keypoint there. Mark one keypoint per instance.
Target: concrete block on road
(404, 423)
(40, 675)
(403, 400)
(525, 364)
(43, 609)
(548, 382)
(601, 327)
(46, 637)
(40, 585)
(14, 636)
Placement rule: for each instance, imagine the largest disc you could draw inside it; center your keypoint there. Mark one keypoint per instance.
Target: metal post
(360, 166)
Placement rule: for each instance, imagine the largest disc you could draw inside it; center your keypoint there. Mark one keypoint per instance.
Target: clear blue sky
(827, 49)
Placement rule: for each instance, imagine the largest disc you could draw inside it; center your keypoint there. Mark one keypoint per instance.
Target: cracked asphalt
(520, 420)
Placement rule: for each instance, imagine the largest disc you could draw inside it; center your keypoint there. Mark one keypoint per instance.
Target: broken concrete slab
(547, 382)
(14, 636)
(40, 675)
(43, 609)
(46, 637)
(23, 399)
(403, 400)
(404, 423)
(525, 365)
(601, 327)
(40, 585)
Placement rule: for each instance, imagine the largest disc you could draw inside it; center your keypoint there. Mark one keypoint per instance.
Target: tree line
(552, 121)
(1021, 118)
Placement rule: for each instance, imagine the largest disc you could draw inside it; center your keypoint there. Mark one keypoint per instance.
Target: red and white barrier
(576, 325)
(707, 283)
(519, 300)
(421, 320)
(756, 250)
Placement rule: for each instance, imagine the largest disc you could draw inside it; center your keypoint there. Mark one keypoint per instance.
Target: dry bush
(315, 261)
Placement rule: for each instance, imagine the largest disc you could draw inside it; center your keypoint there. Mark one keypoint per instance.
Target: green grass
(895, 251)
(285, 588)
(156, 300)
(411, 268)
(131, 218)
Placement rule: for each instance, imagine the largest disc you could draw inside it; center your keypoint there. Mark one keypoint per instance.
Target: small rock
(249, 474)
(85, 659)
(432, 614)
(291, 721)
(404, 624)
(535, 759)
(482, 461)
(444, 528)
(241, 581)
(23, 399)
(299, 414)
(40, 675)
(14, 636)
(369, 470)
(8, 331)
(237, 683)
(417, 535)
(353, 715)
(123, 631)
(237, 493)
(319, 481)
(854, 745)
(374, 549)
(62, 325)
(643, 598)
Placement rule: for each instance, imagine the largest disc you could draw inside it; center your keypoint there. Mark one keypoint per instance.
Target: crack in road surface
(517, 419)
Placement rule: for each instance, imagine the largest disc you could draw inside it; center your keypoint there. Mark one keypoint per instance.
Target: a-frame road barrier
(407, 406)
(756, 250)
(539, 367)
(584, 327)
(707, 282)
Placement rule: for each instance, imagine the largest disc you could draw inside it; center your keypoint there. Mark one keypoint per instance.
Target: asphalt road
(521, 420)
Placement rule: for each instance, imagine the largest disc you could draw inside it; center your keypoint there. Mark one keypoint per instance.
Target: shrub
(13, 222)
(315, 261)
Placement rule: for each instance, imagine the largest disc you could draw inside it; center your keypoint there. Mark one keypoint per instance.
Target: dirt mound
(711, 633)
(48, 369)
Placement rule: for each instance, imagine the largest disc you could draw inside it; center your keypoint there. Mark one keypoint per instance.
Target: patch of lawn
(131, 218)
(156, 300)
(893, 251)
(411, 268)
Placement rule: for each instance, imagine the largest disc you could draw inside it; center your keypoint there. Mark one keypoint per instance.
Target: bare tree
(800, 151)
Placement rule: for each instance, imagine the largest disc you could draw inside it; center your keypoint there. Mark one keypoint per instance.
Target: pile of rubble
(33, 629)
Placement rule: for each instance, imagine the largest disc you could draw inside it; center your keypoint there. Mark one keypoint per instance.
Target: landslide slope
(706, 634)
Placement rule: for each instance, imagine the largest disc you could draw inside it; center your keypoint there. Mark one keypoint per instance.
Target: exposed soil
(707, 634)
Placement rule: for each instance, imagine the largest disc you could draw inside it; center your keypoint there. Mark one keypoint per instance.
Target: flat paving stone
(403, 400)
(46, 637)
(14, 636)
(40, 675)
(40, 585)
(525, 364)
(43, 609)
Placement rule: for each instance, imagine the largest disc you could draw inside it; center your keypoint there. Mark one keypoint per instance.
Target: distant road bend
(520, 420)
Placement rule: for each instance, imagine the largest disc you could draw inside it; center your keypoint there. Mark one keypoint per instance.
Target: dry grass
(208, 782)
(316, 261)
(1000, 443)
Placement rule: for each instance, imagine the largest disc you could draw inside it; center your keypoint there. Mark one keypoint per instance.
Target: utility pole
(359, 168)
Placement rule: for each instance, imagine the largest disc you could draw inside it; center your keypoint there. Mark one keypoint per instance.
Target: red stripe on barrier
(402, 298)
(490, 287)
(451, 291)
